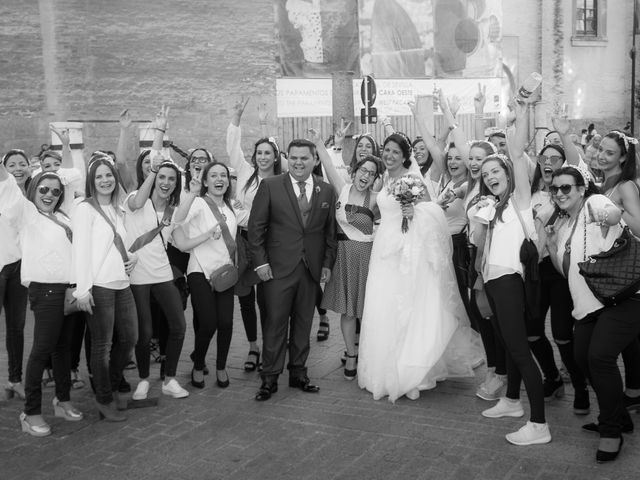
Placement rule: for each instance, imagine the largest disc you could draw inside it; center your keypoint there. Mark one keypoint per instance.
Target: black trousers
(598, 340)
(215, 313)
(290, 302)
(507, 300)
(248, 311)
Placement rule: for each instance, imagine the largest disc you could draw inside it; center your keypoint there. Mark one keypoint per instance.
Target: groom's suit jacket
(277, 235)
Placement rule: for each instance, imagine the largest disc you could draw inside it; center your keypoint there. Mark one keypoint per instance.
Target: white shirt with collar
(308, 189)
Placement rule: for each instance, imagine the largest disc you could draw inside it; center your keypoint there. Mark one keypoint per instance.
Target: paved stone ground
(340, 433)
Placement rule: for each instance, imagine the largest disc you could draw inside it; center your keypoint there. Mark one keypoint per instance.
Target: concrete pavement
(339, 433)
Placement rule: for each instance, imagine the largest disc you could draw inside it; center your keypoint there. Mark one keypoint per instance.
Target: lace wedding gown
(415, 331)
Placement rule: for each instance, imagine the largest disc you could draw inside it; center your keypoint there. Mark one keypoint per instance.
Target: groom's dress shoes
(265, 391)
(304, 384)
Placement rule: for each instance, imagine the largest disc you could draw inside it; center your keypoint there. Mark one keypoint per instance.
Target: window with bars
(586, 18)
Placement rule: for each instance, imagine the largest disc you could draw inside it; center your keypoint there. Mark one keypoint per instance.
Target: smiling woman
(45, 243)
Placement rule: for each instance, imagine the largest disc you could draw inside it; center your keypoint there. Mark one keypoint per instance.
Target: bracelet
(153, 171)
(159, 129)
(337, 149)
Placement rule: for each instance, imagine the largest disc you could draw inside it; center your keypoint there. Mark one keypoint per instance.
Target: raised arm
(388, 128)
(187, 200)
(479, 101)
(516, 143)
(263, 116)
(459, 138)
(434, 149)
(138, 199)
(65, 140)
(237, 159)
(334, 177)
(125, 161)
(562, 126)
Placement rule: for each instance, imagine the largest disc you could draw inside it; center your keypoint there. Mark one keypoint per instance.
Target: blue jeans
(114, 315)
(168, 298)
(13, 296)
(51, 339)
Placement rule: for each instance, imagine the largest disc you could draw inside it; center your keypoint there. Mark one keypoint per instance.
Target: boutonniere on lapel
(317, 188)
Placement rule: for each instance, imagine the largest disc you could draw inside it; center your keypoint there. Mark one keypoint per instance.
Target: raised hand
(340, 133)
(454, 105)
(263, 114)
(561, 125)
(62, 134)
(314, 136)
(162, 118)
(196, 183)
(239, 106)
(413, 106)
(125, 119)
(480, 98)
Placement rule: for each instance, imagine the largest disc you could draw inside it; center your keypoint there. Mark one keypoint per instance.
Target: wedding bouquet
(407, 190)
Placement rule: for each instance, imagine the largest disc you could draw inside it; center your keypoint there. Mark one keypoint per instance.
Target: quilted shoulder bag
(614, 275)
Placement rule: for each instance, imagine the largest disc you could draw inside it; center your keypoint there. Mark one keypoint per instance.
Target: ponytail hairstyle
(277, 164)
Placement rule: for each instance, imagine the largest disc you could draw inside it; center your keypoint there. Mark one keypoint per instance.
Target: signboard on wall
(312, 97)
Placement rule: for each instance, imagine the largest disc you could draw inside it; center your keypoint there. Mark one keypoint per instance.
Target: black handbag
(614, 275)
(529, 257)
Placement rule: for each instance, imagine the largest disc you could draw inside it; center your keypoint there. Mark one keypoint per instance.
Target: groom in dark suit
(292, 240)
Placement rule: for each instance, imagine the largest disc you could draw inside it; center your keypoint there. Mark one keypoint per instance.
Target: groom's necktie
(303, 203)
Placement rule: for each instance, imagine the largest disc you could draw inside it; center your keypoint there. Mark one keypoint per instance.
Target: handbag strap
(226, 234)
(67, 230)
(147, 237)
(524, 229)
(566, 256)
(117, 239)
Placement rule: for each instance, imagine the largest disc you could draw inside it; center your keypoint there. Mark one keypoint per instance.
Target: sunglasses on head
(43, 190)
(565, 189)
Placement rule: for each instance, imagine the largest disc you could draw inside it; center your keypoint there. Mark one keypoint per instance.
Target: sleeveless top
(354, 221)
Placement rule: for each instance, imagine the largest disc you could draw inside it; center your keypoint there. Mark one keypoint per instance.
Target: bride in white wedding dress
(415, 331)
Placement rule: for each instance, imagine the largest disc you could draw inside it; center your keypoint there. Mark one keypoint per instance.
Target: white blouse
(153, 263)
(44, 246)
(95, 259)
(10, 249)
(503, 257)
(588, 239)
(212, 253)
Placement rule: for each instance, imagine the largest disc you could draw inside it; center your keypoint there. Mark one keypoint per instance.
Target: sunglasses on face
(553, 159)
(565, 189)
(199, 160)
(366, 173)
(43, 190)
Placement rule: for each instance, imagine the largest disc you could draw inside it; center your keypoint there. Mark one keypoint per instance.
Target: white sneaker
(173, 389)
(505, 408)
(142, 390)
(530, 434)
(493, 388)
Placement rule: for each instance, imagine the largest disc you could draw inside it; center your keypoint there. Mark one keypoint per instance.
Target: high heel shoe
(66, 410)
(350, 374)
(604, 456)
(110, 413)
(222, 383)
(194, 382)
(14, 389)
(250, 365)
(34, 425)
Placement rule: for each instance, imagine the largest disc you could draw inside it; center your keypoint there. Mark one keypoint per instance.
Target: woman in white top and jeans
(45, 241)
(503, 273)
(208, 253)
(101, 271)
